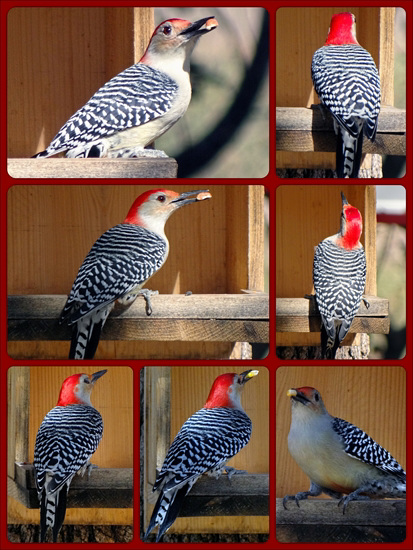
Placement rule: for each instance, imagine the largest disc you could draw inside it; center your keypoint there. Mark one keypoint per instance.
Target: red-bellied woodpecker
(348, 84)
(339, 275)
(337, 456)
(68, 436)
(204, 444)
(119, 263)
(141, 103)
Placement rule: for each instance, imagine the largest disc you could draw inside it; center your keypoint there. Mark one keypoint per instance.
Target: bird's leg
(314, 491)
(137, 152)
(88, 467)
(232, 471)
(146, 293)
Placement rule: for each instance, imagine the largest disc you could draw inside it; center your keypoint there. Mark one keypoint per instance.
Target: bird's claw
(232, 471)
(146, 293)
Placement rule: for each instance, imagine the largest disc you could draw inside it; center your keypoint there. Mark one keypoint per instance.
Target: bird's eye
(161, 198)
(167, 30)
(316, 397)
(86, 381)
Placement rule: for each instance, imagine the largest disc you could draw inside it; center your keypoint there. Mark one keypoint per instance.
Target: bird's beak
(297, 396)
(200, 27)
(247, 375)
(343, 199)
(97, 375)
(191, 196)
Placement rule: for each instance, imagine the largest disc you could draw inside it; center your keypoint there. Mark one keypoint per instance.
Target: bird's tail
(329, 341)
(52, 512)
(332, 336)
(85, 337)
(348, 154)
(42, 154)
(166, 510)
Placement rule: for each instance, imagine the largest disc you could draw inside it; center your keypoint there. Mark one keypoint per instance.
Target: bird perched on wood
(338, 457)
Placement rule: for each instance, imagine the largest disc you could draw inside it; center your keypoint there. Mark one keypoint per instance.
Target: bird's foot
(88, 467)
(352, 496)
(303, 495)
(146, 293)
(232, 471)
(137, 152)
(314, 491)
(366, 302)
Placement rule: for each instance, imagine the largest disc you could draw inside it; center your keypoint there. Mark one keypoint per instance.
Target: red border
(271, 183)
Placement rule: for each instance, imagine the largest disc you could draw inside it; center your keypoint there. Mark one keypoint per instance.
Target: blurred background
(391, 270)
(225, 132)
(395, 166)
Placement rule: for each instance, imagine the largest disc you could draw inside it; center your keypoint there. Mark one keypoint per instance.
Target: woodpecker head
(306, 402)
(342, 30)
(173, 41)
(227, 388)
(351, 226)
(153, 208)
(77, 388)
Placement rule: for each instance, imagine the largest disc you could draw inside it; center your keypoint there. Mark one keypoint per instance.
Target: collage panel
(208, 258)
(106, 82)
(341, 282)
(341, 436)
(62, 422)
(341, 92)
(196, 419)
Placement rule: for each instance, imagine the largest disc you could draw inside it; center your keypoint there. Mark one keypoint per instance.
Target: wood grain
(58, 58)
(92, 168)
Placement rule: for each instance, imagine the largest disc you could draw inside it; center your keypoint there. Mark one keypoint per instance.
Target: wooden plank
(301, 315)
(100, 478)
(165, 306)
(243, 495)
(105, 488)
(320, 520)
(92, 168)
(188, 318)
(345, 534)
(308, 130)
(327, 512)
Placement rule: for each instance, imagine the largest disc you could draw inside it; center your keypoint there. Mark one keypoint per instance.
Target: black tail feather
(357, 156)
(173, 508)
(328, 352)
(91, 339)
(173, 511)
(43, 526)
(60, 513)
